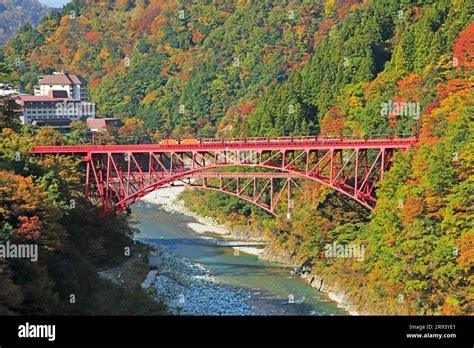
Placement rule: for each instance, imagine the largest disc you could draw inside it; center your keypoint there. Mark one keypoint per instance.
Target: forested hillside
(15, 13)
(387, 52)
(180, 66)
(307, 67)
(420, 236)
(42, 203)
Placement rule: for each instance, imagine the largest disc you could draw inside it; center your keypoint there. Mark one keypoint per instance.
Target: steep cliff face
(275, 253)
(338, 293)
(246, 234)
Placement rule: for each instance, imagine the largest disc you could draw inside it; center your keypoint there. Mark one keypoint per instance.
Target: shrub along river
(197, 275)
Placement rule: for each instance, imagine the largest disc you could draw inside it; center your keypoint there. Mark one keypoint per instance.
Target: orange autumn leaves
(30, 228)
(24, 205)
(463, 49)
(333, 123)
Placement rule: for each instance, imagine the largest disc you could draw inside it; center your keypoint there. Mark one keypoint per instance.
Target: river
(274, 289)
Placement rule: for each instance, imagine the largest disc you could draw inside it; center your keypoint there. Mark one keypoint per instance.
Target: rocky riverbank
(240, 239)
(273, 253)
(166, 198)
(334, 291)
(173, 286)
(188, 288)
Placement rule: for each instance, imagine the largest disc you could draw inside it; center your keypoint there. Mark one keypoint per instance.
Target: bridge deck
(237, 145)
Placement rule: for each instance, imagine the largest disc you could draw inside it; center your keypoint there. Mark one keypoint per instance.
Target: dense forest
(42, 203)
(15, 13)
(419, 239)
(239, 68)
(183, 68)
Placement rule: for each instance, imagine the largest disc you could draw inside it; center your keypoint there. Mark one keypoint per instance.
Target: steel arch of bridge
(119, 175)
(266, 190)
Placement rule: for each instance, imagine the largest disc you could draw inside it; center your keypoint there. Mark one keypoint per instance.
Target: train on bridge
(275, 139)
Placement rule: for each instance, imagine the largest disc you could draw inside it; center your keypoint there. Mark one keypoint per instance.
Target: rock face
(335, 292)
(273, 253)
(247, 234)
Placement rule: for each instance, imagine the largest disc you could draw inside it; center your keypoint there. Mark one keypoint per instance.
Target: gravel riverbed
(190, 289)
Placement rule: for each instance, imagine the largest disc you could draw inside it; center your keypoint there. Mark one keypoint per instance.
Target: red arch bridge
(119, 175)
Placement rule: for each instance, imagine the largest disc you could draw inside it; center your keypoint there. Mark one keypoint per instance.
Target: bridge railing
(304, 138)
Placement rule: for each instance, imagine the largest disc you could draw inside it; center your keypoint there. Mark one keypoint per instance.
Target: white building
(59, 99)
(54, 108)
(74, 85)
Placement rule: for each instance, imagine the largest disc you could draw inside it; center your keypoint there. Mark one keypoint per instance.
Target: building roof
(78, 80)
(97, 123)
(62, 79)
(52, 122)
(41, 98)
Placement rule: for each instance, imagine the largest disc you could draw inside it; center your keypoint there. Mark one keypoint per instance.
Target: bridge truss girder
(118, 179)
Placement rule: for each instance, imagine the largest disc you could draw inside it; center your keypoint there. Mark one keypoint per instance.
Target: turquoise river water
(273, 283)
